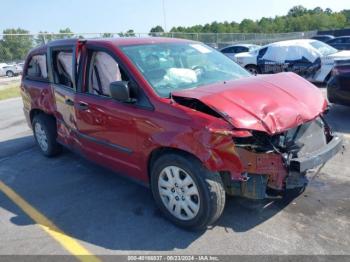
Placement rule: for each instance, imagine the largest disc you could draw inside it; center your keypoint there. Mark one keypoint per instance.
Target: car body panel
(315, 69)
(237, 49)
(338, 88)
(269, 103)
(323, 38)
(15, 69)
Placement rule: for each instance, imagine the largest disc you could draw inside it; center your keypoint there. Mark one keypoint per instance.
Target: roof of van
(120, 41)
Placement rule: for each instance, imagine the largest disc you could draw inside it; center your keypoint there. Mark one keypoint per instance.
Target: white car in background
(10, 70)
(233, 50)
(312, 59)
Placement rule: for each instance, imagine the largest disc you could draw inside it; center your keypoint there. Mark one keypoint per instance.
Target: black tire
(253, 69)
(48, 126)
(9, 73)
(209, 184)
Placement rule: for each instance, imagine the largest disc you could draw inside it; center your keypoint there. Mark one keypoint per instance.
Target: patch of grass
(9, 91)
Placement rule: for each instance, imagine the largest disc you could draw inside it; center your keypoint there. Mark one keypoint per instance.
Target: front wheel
(186, 192)
(253, 69)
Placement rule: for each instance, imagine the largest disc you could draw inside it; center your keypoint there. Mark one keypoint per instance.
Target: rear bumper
(317, 158)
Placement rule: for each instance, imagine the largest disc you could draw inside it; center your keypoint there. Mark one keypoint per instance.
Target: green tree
(107, 35)
(248, 26)
(298, 18)
(5, 53)
(16, 43)
(65, 33)
(129, 33)
(346, 14)
(156, 31)
(44, 37)
(297, 11)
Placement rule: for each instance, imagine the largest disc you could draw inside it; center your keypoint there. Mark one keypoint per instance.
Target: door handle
(69, 102)
(83, 106)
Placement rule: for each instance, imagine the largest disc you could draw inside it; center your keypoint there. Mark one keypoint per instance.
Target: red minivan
(178, 116)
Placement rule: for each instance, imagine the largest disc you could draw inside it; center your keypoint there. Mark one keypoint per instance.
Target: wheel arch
(157, 152)
(37, 111)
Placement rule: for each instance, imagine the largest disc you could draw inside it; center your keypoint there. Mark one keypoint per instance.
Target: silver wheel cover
(179, 193)
(41, 137)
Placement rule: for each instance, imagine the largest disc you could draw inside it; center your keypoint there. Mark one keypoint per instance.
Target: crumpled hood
(269, 103)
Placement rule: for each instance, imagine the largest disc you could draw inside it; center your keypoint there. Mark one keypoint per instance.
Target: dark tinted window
(262, 52)
(228, 50)
(241, 49)
(37, 67)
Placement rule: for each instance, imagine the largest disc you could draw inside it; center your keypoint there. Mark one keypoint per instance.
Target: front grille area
(300, 141)
(309, 137)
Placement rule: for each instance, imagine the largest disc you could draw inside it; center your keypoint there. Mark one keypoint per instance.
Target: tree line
(298, 18)
(16, 43)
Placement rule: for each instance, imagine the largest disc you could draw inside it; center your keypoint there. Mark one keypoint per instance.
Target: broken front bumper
(317, 158)
(265, 171)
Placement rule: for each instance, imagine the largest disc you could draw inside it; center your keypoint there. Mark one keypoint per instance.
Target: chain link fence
(14, 47)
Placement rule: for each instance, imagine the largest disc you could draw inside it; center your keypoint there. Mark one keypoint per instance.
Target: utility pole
(164, 15)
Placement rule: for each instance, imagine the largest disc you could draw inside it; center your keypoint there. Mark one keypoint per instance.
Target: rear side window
(63, 67)
(227, 50)
(37, 67)
(241, 49)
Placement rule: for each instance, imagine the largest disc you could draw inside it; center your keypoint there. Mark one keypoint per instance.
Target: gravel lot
(108, 214)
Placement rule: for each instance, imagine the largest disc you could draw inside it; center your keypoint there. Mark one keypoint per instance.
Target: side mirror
(120, 91)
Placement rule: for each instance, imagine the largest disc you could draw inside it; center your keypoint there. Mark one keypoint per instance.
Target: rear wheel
(186, 192)
(253, 69)
(45, 133)
(10, 73)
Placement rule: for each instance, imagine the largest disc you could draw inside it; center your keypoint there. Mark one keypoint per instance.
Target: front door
(109, 131)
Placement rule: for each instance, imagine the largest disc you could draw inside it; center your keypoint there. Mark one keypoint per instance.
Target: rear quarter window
(37, 68)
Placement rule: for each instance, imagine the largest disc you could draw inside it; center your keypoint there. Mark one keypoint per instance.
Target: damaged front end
(273, 164)
(277, 131)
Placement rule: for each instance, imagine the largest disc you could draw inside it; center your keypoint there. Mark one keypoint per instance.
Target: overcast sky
(84, 16)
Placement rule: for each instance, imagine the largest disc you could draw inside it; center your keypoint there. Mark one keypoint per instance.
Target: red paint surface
(270, 103)
(267, 103)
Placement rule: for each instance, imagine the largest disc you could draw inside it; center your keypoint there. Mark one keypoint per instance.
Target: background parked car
(312, 59)
(338, 88)
(232, 50)
(340, 43)
(20, 64)
(322, 38)
(10, 70)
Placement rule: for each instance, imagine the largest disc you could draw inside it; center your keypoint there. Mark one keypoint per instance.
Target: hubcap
(253, 70)
(41, 136)
(179, 193)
